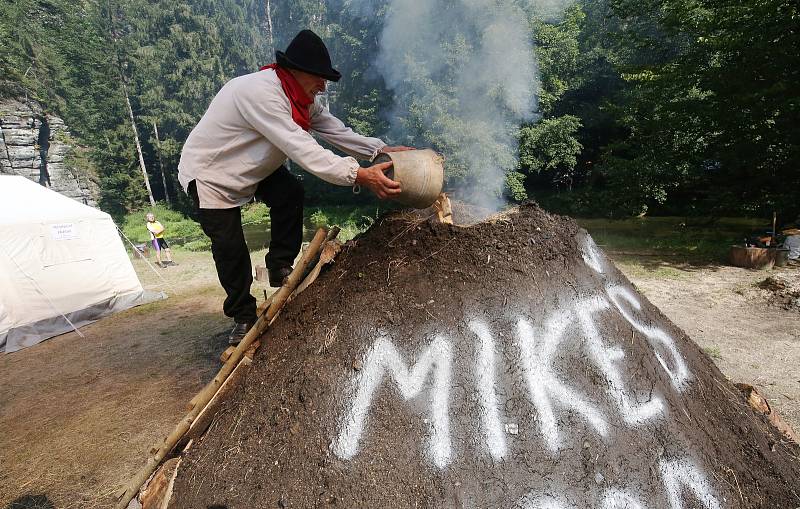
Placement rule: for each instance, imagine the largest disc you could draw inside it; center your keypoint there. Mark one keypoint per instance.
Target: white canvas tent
(61, 263)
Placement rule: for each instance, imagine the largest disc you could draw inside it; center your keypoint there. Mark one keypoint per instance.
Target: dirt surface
(78, 415)
(76, 412)
(735, 320)
(51, 459)
(783, 289)
(525, 372)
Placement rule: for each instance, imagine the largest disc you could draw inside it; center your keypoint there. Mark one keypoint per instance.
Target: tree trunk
(269, 28)
(138, 145)
(128, 104)
(161, 164)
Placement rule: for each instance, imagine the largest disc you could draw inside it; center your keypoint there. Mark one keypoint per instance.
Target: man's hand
(375, 180)
(400, 148)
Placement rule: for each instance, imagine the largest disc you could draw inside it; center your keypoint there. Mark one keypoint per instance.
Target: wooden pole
(128, 104)
(203, 421)
(268, 9)
(444, 209)
(204, 396)
(774, 226)
(161, 164)
(136, 140)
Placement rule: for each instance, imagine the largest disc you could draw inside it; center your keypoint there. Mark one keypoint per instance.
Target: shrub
(255, 212)
(179, 229)
(203, 244)
(351, 220)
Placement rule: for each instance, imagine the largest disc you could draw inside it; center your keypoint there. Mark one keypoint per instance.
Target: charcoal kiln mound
(505, 364)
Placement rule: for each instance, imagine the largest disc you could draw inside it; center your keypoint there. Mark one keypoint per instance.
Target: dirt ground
(77, 415)
(724, 312)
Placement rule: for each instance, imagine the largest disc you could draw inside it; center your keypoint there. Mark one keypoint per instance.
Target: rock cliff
(35, 144)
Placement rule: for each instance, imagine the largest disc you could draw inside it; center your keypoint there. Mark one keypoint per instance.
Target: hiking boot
(239, 332)
(277, 277)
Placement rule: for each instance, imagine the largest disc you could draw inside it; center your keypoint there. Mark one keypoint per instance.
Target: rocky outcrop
(35, 145)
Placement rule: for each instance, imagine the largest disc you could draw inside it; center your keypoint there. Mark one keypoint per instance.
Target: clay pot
(420, 173)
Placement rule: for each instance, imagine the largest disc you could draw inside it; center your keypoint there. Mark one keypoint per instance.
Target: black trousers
(283, 194)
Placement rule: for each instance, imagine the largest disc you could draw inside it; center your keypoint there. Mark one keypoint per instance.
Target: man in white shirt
(237, 153)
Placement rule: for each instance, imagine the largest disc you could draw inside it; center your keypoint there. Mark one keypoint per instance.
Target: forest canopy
(642, 106)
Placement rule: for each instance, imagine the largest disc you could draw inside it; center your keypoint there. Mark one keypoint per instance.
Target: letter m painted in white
(383, 359)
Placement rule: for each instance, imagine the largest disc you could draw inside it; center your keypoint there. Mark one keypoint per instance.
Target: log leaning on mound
(329, 250)
(204, 396)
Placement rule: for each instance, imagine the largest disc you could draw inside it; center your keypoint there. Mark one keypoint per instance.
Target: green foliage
(178, 229)
(712, 103)
(558, 54)
(363, 116)
(551, 146)
(701, 239)
(202, 244)
(255, 212)
(515, 186)
(351, 220)
(646, 106)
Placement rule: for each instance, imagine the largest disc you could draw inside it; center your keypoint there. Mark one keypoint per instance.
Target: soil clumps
(505, 364)
(783, 291)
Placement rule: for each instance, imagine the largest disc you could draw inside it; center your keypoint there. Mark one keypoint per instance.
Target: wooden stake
(205, 395)
(153, 496)
(332, 234)
(329, 252)
(171, 486)
(264, 305)
(444, 210)
(249, 354)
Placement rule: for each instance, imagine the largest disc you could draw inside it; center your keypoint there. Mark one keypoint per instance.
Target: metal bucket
(420, 173)
(781, 257)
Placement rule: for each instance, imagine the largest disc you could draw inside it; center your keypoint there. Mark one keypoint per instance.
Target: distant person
(156, 230)
(237, 153)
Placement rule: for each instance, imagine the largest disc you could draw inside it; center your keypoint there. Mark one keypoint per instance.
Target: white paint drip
(591, 255)
(678, 372)
(614, 498)
(681, 475)
(485, 371)
(543, 384)
(383, 358)
(604, 357)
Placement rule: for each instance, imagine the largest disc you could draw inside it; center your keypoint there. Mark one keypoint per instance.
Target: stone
(25, 137)
(28, 135)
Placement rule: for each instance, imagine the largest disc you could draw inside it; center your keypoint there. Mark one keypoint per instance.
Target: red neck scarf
(301, 112)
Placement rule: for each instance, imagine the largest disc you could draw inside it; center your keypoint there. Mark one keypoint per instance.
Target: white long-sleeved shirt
(248, 132)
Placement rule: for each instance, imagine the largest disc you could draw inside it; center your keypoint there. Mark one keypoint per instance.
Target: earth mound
(505, 364)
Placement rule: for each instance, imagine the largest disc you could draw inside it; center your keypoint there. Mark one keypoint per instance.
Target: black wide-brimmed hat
(308, 53)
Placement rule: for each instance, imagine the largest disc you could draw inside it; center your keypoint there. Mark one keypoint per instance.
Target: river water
(258, 235)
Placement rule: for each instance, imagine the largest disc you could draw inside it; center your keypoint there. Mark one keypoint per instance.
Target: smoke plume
(464, 76)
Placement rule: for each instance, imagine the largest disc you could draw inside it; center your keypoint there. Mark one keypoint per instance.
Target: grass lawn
(677, 239)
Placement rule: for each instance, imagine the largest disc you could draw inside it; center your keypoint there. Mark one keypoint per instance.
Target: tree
(551, 146)
(714, 121)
